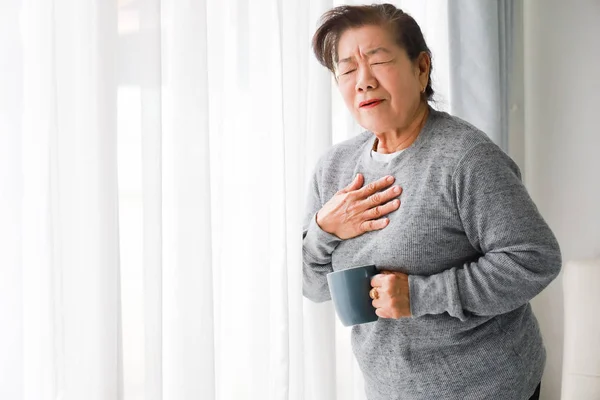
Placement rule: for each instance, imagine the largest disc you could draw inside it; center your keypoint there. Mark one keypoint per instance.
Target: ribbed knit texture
(476, 250)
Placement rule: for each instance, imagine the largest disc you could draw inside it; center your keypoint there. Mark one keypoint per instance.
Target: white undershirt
(384, 158)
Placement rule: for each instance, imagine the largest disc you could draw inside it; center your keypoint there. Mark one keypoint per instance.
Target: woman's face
(372, 67)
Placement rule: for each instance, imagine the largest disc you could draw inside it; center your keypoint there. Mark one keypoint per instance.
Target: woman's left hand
(392, 299)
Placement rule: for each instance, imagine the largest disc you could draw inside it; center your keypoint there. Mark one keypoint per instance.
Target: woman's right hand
(353, 210)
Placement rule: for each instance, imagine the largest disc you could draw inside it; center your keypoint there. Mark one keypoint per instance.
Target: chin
(374, 123)
(375, 127)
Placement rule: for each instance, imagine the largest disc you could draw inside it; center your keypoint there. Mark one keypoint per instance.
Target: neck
(400, 139)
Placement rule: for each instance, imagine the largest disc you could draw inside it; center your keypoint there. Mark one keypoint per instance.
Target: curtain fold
(154, 163)
(188, 324)
(319, 319)
(70, 235)
(481, 48)
(11, 205)
(151, 118)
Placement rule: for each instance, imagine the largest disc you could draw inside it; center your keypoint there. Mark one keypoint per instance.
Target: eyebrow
(369, 53)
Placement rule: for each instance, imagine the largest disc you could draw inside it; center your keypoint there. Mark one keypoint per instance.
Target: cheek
(403, 89)
(347, 93)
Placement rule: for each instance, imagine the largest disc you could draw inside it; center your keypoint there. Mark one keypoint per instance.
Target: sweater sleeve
(519, 253)
(317, 248)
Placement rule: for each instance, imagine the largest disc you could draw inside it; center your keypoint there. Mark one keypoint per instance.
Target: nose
(365, 80)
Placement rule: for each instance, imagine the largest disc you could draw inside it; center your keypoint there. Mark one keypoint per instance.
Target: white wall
(562, 144)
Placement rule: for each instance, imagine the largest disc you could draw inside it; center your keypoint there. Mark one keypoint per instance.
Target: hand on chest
(424, 233)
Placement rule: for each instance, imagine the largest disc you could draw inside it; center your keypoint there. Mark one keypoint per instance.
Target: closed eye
(382, 62)
(347, 72)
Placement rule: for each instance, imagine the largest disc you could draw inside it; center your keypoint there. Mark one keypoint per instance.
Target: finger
(381, 313)
(356, 183)
(375, 186)
(374, 224)
(380, 211)
(379, 198)
(377, 280)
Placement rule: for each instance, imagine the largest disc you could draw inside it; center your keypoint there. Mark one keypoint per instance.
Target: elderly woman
(440, 210)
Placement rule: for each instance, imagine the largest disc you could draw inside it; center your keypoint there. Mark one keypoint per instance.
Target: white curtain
(481, 58)
(154, 156)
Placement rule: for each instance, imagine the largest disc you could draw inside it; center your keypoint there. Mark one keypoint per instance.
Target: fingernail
(390, 179)
(396, 189)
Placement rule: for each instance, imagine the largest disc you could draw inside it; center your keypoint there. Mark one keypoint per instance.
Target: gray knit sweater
(476, 251)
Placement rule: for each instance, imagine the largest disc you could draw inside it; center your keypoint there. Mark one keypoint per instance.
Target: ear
(424, 65)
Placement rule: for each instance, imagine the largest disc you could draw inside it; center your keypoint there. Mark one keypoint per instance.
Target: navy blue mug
(349, 290)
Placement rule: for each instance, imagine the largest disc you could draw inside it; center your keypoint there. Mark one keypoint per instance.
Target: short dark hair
(404, 29)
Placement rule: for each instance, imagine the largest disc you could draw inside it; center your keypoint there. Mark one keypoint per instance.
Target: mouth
(370, 103)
